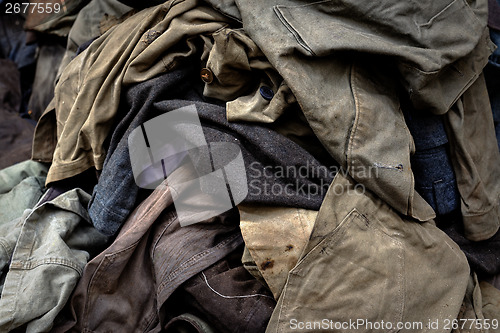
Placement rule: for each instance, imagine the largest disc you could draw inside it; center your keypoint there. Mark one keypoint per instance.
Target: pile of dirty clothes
(249, 166)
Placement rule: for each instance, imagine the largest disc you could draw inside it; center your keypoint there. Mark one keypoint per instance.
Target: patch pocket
(327, 27)
(355, 273)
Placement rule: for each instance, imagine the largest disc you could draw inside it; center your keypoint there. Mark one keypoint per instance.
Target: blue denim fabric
(21, 186)
(186, 323)
(54, 244)
(492, 76)
(434, 176)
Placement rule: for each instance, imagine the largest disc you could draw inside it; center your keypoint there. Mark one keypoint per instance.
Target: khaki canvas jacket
(348, 63)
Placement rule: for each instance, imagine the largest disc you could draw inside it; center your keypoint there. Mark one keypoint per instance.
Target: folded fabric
(490, 297)
(55, 241)
(14, 174)
(48, 60)
(348, 74)
(483, 256)
(89, 90)
(480, 310)
(275, 238)
(21, 187)
(16, 133)
(365, 262)
(228, 297)
(87, 27)
(125, 287)
(53, 16)
(279, 172)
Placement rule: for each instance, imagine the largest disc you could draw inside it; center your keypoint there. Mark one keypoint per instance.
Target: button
(206, 75)
(267, 93)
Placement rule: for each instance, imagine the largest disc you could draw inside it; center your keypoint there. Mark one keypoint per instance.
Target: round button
(267, 93)
(206, 75)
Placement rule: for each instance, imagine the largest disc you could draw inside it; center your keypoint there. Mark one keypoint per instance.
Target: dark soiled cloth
(13, 46)
(494, 280)
(262, 148)
(88, 93)
(13, 41)
(226, 296)
(188, 322)
(16, 133)
(483, 256)
(492, 76)
(49, 58)
(494, 15)
(124, 287)
(10, 94)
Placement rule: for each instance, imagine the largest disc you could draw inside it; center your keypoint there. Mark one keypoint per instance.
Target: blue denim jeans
(53, 243)
(21, 186)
